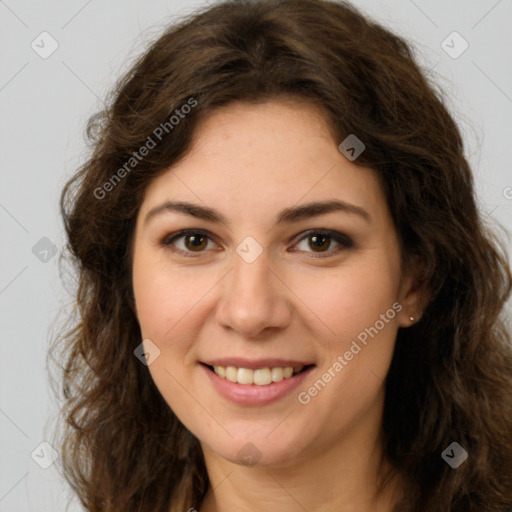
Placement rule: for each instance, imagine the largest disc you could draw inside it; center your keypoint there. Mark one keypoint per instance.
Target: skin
(249, 162)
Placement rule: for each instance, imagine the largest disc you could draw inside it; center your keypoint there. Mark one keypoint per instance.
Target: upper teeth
(260, 377)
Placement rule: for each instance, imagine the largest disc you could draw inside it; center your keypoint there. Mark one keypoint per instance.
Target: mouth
(256, 383)
(257, 376)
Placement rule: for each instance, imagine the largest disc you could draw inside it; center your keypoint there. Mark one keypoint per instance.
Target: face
(268, 286)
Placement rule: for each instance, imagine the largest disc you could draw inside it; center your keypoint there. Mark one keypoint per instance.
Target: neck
(343, 476)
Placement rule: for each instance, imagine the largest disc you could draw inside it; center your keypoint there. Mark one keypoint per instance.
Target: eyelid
(178, 234)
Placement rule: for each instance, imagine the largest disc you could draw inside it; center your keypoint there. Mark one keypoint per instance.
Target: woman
(286, 295)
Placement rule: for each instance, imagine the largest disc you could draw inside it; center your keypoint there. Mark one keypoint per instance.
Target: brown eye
(189, 242)
(195, 242)
(319, 243)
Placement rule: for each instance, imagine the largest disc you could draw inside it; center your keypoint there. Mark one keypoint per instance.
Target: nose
(254, 301)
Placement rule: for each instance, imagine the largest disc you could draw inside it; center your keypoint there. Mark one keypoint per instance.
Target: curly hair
(451, 374)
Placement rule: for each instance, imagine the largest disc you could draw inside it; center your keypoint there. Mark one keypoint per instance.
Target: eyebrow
(286, 216)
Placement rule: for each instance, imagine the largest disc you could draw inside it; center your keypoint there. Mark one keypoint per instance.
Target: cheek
(359, 305)
(351, 299)
(155, 300)
(164, 297)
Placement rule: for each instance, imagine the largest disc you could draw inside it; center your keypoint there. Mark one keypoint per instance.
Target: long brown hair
(451, 376)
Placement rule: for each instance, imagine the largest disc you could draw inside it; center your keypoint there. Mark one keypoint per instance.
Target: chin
(257, 450)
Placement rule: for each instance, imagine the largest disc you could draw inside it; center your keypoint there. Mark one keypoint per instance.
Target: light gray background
(44, 106)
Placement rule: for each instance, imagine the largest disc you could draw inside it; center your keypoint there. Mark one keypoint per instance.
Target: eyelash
(343, 240)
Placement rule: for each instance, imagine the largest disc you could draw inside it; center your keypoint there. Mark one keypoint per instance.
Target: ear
(414, 295)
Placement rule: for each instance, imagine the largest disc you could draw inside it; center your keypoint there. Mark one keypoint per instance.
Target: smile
(264, 383)
(259, 376)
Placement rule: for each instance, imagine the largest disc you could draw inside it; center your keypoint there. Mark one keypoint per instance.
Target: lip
(254, 364)
(251, 394)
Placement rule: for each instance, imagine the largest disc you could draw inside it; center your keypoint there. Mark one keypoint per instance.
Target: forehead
(254, 157)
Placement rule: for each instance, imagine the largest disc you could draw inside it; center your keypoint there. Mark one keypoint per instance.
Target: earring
(411, 318)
